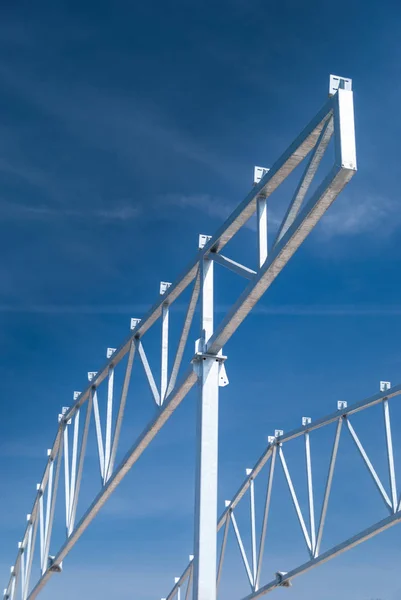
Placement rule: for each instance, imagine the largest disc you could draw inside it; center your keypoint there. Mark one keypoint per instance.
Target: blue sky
(126, 129)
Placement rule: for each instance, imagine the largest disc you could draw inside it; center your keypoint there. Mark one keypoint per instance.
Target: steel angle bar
(350, 543)
(253, 527)
(81, 458)
(233, 266)
(327, 490)
(307, 178)
(172, 402)
(164, 353)
(184, 334)
(121, 408)
(390, 454)
(265, 516)
(310, 491)
(261, 220)
(148, 372)
(99, 436)
(294, 499)
(109, 423)
(30, 556)
(369, 466)
(50, 519)
(66, 475)
(241, 549)
(75, 442)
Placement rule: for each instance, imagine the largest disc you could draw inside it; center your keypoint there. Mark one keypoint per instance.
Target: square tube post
(205, 543)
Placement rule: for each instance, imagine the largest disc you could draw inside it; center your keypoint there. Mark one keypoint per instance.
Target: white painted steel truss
(311, 526)
(66, 458)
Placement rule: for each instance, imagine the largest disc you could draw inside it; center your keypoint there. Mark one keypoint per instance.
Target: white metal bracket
(341, 405)
(110, 352)
(134, 322)
(337, 82)
(259, 173)
(203, 240)
(164, 285)
(384, 386)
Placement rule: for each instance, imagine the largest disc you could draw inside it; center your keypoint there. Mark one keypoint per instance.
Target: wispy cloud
(359, 213)
(14, 211)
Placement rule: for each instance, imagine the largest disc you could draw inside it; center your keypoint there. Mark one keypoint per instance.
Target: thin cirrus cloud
(15, 211)
(350, 215)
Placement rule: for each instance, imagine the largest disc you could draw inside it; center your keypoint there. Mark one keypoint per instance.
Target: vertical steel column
(261, 210)
(205, 546)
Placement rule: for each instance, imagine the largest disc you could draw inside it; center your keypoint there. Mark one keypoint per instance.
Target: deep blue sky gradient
(128, 128)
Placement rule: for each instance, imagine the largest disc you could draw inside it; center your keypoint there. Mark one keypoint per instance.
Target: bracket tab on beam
(337, 82)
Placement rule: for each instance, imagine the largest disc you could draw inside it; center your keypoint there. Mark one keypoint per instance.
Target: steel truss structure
(66, 458)
(312, 529)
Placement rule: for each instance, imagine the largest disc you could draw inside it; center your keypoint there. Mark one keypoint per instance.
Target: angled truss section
(335, 119)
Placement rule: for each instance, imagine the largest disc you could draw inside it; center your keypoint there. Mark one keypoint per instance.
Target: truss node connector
(384, 386)
(259, 173)
(64, 411)
(176, 579)
(341, 405)
(92, 375)
(221, 358)
(191, 557)
(76, 395)
(135, 322)
(338, 82)
(271, 439)
(278, 433)
(306, 421)
(164, 285)
(54, 568)
(203, 240)
(110, 352)
(279, 578)
(248, 472)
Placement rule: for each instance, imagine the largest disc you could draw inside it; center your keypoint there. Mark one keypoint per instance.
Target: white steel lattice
(312, 528)
(335, 119)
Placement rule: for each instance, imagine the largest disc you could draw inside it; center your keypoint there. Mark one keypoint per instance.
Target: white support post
(109, 423)
(390, 455)
(309, 480)
(205, 546)
(74, 463)
(41, 523)
(265, 515)
(121, 409)
(261, 216)
(48, 505)
(99, 435)
(164, 357)
(253, 523)
(327, 490)
(66, 476)
(49, 522)
(81, 458)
